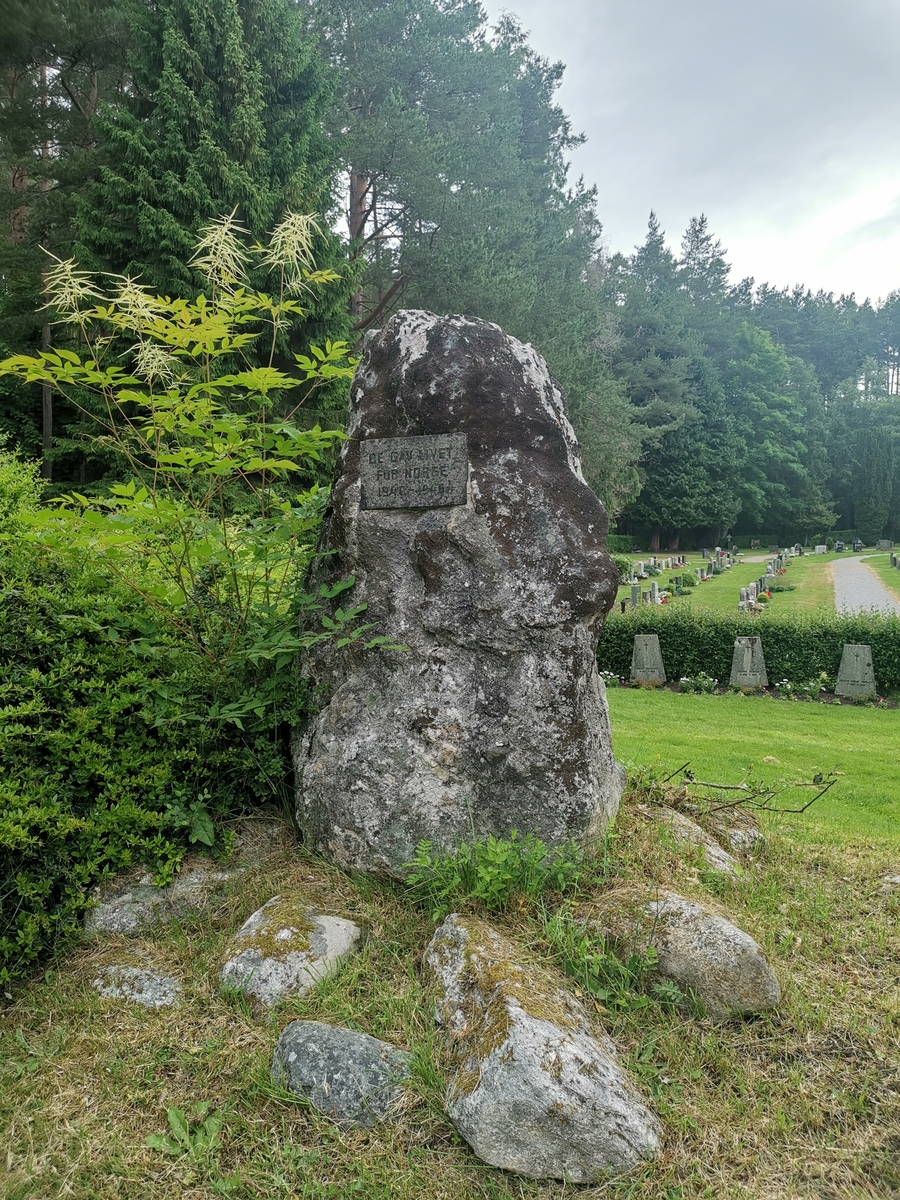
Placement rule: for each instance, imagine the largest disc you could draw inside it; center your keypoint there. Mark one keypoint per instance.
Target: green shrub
(108, 759)
(797, 646)
(491, 873)
(20, 486)
(623, 565)
(618, 543)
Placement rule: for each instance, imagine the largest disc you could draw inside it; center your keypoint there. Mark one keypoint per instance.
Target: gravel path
(858, 589)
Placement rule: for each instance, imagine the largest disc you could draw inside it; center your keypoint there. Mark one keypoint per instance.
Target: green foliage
(149, 637)
(874, 453)
(797, 646)
(618, 543)
(20, 487)
(194, 1133)
(702, 683)
(618, 980)
(91, 755)
(492, 873)
(622, 563)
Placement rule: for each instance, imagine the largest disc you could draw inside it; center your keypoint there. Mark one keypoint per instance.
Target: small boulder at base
(696, 948)
(686, 832)
(130, 904)
(285, 948)
(353, 1078)
(535, 1091)
(138, 984)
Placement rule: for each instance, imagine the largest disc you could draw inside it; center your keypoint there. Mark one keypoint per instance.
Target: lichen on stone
(286, 927)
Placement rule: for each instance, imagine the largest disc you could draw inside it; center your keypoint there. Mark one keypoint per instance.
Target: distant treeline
(432, 147)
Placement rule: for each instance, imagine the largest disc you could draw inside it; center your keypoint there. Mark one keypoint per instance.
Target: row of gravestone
(856, 675)
(750, 594)
(651, 595)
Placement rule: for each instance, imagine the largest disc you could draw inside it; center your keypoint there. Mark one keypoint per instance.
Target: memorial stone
(460, 509)
(748, 667)
(856, 675)
(820, 549)
(646, 659)
(884, 544)
(751, 592)
(635, 595)
(654, 592)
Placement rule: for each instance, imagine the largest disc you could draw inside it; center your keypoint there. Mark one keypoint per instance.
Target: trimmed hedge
(797, 646)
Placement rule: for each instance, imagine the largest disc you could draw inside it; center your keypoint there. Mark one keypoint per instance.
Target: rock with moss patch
(696, 948)
(285, 948)
(130, 903)
(536, 1090)
(140, 985)
(351, 1077)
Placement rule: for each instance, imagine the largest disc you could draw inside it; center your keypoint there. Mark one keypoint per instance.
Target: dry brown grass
(802, 1104)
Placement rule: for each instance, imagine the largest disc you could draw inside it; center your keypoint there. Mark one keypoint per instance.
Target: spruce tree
(223, 113)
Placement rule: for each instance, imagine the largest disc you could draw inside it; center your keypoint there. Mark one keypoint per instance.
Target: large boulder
(460, 509)
(696, 948)
(536, 1090)
(351, 1077)
(285, 948)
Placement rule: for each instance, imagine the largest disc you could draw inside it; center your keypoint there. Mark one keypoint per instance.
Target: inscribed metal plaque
(414, 472)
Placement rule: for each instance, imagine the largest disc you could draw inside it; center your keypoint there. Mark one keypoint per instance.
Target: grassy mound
(800, 1102)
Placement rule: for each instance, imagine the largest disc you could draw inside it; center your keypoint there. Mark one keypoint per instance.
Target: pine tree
(874, 454)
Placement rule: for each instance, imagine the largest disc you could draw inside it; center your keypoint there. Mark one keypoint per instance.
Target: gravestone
(748, 667)
(751, 592)
(820, 549)
(654, 592)
(856, 675)
(460, 509)
(635, 595)
(884, 544)
(646, 659)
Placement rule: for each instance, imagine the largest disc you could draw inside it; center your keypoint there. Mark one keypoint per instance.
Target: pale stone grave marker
(646, 659)
(856, 675)
(820, 549)
(748, 667)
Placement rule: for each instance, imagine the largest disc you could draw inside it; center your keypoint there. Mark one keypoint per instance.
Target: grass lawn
(889, 576)
(723, 736)
(812, 581)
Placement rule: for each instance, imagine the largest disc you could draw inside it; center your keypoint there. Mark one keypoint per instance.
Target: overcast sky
(778, 119)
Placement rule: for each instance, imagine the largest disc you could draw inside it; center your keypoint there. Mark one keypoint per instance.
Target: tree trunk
(654, 538)
(46, 416)
(358, 212)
